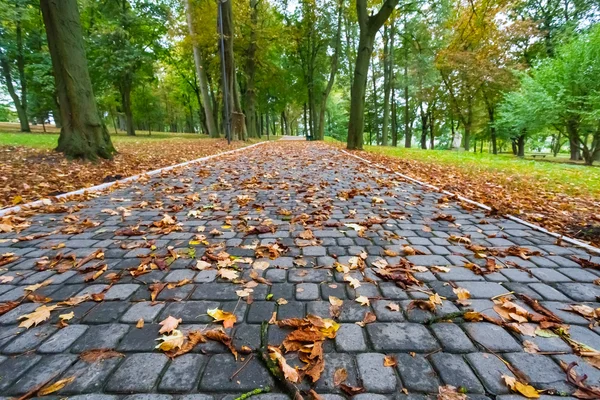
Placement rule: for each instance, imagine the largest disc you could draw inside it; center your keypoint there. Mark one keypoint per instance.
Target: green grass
(50, 140)
(569, 178)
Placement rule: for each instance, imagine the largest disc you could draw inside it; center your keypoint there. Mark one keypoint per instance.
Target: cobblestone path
(326, 219)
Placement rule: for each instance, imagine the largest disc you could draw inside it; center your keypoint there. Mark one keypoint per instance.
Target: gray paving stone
(62, 340)
(89, 377)
(307, 291)
(401, 337)
(183, 374)
(14, 367)
(492, 337)
(137, 373)
(543, 373)
(375, 376)
(416, 373)
(453, 370)
(100, 337)
(452, 338)
(221, 366)
(490, 369)
(29, 339)
(334, 361)
(143, 310)
(47, 368)
(350, 338)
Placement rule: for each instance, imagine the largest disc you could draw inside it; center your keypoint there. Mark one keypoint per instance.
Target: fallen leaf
(228, 318)
(393, 306)
(140, 323)
(55, 387)
(390, 361)
(363, 300)
(334, 301)
(169, 324)
(41, 314)
(95, 355)
(339, 376)
(171, 342)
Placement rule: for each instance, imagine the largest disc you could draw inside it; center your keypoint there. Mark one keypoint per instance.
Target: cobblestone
(298, 282)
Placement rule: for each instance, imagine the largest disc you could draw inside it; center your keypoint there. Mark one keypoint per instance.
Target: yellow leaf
(229, 274)
(260, 265)
(67, 317)
(55, 387)
(335, 301)
(527, 390)
(170, 342)
(462, 293)
(17, 199)
(355, 283)
(219, 315)
(363, 300)
(140, 323)
(40, 314)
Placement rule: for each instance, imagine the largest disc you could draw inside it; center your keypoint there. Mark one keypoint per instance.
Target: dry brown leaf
(95, 355)
(390, 361)
(339, 376)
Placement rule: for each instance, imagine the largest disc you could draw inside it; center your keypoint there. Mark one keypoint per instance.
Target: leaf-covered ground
(295, 268)
(562, 198)
(28, 174)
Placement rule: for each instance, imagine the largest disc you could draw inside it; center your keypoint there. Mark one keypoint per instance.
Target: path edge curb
(483, 206)
(103, 186)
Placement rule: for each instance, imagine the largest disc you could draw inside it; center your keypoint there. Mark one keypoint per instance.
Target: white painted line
(480, 205)
(124, 180)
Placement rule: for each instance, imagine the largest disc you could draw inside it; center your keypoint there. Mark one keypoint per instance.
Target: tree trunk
(306, 132)
(521, 146)
(82, 134)
(424, 130)
(369, 25)
(387, 80)
(208, 119)
(125, 90)
(394, 119)
(573, 131)
(431, 130)
(332, 73)
(250, 95)
(21, 111)
(230, 89)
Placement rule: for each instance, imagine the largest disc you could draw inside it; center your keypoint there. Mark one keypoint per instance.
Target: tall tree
(235, 116)
(12, 56)
(201, 74)
(82, 135)
(369, 26)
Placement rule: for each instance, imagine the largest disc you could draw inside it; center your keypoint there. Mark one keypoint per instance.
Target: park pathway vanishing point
(300, 228)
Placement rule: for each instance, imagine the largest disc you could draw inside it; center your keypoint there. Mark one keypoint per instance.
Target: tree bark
(369, 25)
(236, 115)
(521, 146)
(208, 119)
(19, 105)
(82, 134)
(125, 90)
(250, 96)
(387, 80)
(332, 73)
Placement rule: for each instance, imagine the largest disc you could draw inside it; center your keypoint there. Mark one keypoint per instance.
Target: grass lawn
(50, 140)
(570, 179)
(562, 197)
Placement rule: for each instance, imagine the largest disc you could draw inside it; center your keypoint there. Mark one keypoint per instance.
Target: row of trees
(494, 74)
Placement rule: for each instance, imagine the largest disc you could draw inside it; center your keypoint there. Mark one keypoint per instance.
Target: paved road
(289, 188)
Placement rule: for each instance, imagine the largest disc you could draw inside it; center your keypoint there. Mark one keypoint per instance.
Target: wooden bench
(543, 155)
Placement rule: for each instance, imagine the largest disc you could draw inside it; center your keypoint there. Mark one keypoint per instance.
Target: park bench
(542, 155)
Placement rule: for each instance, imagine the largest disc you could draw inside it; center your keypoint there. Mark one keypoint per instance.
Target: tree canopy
(481, 75)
